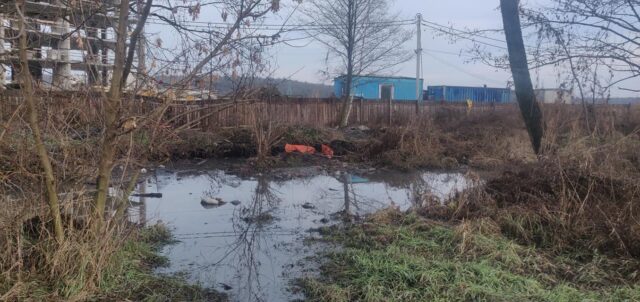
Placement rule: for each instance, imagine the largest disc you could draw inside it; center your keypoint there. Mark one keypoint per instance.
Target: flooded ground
(253, 246)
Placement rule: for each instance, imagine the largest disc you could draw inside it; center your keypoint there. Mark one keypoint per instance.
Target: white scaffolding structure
(74, 39)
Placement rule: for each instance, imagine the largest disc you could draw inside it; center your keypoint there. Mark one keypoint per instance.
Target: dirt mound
(225, 143)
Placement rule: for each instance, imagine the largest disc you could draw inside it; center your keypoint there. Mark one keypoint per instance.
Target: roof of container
(379, 77)
(469, 87)
(551, 89)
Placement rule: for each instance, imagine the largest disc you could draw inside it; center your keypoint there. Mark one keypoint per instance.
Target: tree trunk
(346, 182)
(111, 106)
(347, 102)
(529, 107)
(348, 98)
(134, 40)
(45, 161)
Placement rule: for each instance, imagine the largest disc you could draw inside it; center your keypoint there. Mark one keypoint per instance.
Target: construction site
(71, 43)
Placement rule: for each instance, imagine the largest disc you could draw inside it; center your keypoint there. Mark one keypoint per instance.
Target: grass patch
(130, 275)
(108, 269)
(413, 259)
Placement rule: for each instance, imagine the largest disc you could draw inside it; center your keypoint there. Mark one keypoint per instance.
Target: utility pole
(419, 65)
(210, 64)
(142, 51)
(2, 52)
(62, 69)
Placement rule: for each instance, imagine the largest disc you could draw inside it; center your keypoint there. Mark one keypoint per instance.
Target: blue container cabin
(379, 87)
(455, 94)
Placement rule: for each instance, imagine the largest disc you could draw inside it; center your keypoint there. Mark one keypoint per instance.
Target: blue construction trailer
(454, 94)
(379, 87)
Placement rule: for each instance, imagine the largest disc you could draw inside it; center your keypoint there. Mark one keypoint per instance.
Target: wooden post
(300, 113)
(390, 111)
(317, 122)
(235, 113)
(360, 115)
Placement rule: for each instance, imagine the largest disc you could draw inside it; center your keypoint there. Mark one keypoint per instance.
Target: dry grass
(486, 140)
(582, 196)
(115, 264)
(41, 268)
(112, 263)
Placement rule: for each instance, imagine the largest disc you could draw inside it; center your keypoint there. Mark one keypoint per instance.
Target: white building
(554, 96)
(67, 41)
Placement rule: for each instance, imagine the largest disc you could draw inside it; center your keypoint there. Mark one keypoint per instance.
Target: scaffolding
(72, 39)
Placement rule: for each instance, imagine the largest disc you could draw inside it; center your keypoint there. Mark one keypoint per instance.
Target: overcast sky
(444, 62)
(441, 63)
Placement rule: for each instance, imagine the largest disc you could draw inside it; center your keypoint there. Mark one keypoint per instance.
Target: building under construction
(71, 43)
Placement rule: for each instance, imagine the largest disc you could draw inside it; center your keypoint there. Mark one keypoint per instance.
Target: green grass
(130, 273)
(125, 270)
(417, 260)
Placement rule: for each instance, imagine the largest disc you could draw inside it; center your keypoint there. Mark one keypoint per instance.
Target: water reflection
(348, 190)
(253, 249)
(250, 225)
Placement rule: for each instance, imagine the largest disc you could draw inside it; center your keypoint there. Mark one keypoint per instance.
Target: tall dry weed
(32, 263)
(582, 195)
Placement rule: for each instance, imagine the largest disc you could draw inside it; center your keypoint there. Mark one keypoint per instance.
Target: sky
(441, 64)
(444, 62)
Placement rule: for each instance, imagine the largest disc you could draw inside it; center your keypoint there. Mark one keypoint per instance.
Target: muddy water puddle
(253, 246)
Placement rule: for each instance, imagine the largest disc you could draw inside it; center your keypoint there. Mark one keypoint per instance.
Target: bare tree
(591, 46)
(520, 69)
(597, 40)
(43, 154)
(135, 38)
(113, 127)
(362, 38)
(596, 32)
(216, 47)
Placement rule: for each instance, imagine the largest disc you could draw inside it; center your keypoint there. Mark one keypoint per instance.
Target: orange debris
(327, 151)
(299, 148)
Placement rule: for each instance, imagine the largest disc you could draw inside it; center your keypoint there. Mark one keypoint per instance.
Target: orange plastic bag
(327, 151)
(299, 148)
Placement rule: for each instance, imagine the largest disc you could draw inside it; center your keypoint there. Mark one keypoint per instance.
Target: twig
(8, 124)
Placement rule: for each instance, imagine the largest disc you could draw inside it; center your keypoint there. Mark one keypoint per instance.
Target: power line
(458, 32)
(464, 71)
(474, 37)
(206, 23)
(457, 54)
(471, 36)
(453, 33)
(464, 32)
(286, 27)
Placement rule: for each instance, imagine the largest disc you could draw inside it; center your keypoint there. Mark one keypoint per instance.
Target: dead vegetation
(451, 139)
(112, 263)
(582, 196)
(560, 228)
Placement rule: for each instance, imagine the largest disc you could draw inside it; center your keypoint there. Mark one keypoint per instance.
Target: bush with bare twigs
(113, 263)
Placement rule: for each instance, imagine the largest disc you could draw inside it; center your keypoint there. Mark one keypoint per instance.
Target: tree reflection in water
(252, 252)
(253, 237)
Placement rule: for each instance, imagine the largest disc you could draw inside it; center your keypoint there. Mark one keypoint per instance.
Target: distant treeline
(226, 85)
